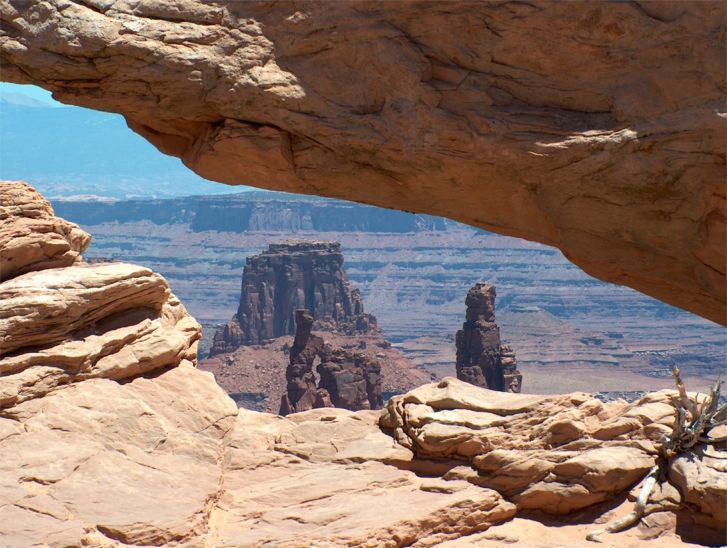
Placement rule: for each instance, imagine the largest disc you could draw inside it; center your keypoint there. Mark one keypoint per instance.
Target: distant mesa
(289, 276)
(250, 212)
(293, 289)
(482, 359)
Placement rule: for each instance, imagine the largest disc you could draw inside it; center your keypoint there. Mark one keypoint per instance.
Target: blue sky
(74, 151)
(31, 91)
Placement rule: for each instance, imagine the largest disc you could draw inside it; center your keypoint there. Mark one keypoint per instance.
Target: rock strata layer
(555, 454)
(482, 359)
(287, 277)
(31, 237)
(348, 380)
(65, 321)
(604, 144)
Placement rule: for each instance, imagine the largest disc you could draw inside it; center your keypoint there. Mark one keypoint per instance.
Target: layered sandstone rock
(290, 276)
(31, 237)
(555, 454)
(64, 321)
(482, 359)
(604, 144)
(348, 380)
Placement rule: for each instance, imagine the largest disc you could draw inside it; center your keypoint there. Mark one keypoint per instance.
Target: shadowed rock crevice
(605, 145)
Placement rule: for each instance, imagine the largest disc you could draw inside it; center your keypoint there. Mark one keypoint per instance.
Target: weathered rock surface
(287, 277)
(61, 324)
(482, 359)
(554, 454)
(31, 237)
(82, 463)
(347, 380)
(605, 144)
(110, 436)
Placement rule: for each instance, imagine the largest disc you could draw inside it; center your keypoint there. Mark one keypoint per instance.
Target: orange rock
(608, 143)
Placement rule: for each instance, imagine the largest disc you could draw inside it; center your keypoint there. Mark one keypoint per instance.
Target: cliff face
(251, 212)
(482, 359)
(604, 144)
(287, 277)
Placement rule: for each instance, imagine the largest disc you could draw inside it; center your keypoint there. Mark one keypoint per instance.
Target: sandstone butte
(110, 436)
(596, 127)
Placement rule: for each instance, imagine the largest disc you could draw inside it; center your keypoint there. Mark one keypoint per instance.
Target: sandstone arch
(591, 126)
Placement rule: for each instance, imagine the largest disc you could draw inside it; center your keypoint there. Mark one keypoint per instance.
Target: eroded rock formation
(286, 277)
(246, 355)
(348, 380)
(110, 435)
(31, 237)
(556, 454)
(482, 359)
(63, 321)
(604, 144)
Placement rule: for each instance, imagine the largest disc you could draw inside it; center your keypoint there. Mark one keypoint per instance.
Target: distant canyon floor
(570, 331)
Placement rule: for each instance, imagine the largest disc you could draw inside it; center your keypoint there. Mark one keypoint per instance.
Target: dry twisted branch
(692, 425)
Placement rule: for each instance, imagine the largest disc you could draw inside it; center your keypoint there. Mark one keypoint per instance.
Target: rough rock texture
(81, 464)
(31, 237)
(609, 143)
(61, 324)
(554, 454)
(348, 380)
(110, 436)
(482, 359)
(286, 277)
(302, 392)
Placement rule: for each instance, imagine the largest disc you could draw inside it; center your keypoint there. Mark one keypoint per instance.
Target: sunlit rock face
(63, 320)
(111, 436)
(31, 237)
(608, 144)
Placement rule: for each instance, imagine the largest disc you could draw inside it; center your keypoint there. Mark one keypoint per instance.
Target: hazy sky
(74, 151)
(31, 91)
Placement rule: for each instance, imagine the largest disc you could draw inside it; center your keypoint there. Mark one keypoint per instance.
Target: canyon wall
(250, 212)
(609, 143)
(552, 312)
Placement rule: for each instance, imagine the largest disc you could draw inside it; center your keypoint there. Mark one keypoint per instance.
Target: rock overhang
(609, 145)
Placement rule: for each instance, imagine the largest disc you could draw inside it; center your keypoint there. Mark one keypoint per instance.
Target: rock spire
(349, 380)
(482, 359)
